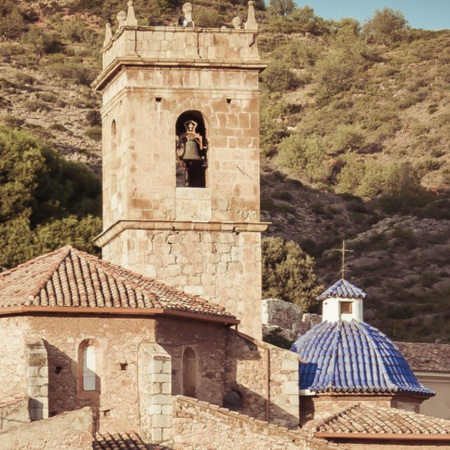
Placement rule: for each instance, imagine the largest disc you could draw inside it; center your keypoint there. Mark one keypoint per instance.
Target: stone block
(162, 421)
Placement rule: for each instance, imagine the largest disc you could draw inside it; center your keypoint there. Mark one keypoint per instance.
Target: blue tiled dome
(353, 357)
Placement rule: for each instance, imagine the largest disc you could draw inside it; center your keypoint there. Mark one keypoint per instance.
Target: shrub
(73, 71)
(11, 21)
(278, 77)
(94, 118)
(94, 133)
(36, 105)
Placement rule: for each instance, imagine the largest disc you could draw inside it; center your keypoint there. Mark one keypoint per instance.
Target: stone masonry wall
(116, 342)
(209, 344)
(69, 431)
(264, 375)
(393, 445)
(13, 412)
(223, 267)
(174, 43)
(201, 426)
(13, 356)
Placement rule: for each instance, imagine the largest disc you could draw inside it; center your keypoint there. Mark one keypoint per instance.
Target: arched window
(88, 367)
(189, 372)
(191, 149)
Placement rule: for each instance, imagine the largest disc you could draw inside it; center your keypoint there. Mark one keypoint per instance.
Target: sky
(426, 14)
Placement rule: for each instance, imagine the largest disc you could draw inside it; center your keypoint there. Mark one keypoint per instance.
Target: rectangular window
(346, 307)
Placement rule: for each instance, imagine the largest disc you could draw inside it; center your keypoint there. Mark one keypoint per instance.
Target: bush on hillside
(288, 273)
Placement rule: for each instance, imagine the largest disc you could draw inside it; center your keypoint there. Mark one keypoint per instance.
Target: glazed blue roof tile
(353, 357)
(343, 289)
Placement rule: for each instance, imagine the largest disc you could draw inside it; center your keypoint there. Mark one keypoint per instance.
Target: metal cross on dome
(343, 250)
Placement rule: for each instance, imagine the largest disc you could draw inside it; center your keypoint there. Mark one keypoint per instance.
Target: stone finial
(237, 23)
(122, 18)
(131, 18)
(187, 11)
(108, 35)
(251, 21)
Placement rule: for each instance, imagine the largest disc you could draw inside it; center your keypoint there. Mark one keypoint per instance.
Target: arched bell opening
(191, 149)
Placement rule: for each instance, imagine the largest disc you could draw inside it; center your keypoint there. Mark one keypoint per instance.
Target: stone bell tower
(181, 158)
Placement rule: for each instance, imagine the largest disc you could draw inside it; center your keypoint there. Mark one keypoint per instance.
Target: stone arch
(189, 372)
(191, 132)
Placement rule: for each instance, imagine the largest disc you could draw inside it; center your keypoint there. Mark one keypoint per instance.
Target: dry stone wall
(202, 426)
(69, 431)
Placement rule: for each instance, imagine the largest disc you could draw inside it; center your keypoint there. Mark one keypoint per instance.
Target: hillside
(355, 137)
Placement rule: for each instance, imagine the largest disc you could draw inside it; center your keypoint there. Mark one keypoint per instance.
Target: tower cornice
(176, 225)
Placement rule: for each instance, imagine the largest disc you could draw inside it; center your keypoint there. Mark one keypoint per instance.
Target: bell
(191, 151)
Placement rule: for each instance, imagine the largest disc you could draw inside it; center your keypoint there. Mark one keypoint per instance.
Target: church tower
(181, 197)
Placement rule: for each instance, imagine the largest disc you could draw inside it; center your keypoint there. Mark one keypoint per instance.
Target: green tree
(288, 273)
(386, 27)
(281, 8)
(305, 156)
(46, 201)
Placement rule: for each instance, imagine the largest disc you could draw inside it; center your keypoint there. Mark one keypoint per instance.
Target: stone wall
(201, 426)
(175, 43)
(116, 342)
(69, 431)
(223, 267)
(13, 356)
(392, 445)
(37, 379)
(266, 378)
(13, 412)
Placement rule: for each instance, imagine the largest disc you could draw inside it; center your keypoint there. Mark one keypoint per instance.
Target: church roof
(342, 289)
(69, 280)
(359, 419)
(122, 441)
(353, 357)
(426, 357)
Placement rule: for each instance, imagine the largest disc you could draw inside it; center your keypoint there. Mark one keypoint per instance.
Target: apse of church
(181, 160)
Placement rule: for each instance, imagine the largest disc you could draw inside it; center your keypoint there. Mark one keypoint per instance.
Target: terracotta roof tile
(426, 357)
(359, 418)
(71, 278)
(122, 441)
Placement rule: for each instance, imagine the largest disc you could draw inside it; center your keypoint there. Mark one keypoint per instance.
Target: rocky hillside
(328, 149)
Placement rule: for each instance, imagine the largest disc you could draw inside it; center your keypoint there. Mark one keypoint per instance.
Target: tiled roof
(426, 357)
(70, 278)
(122, 441)
(353, 357)
(343, 289)
(359, 418)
